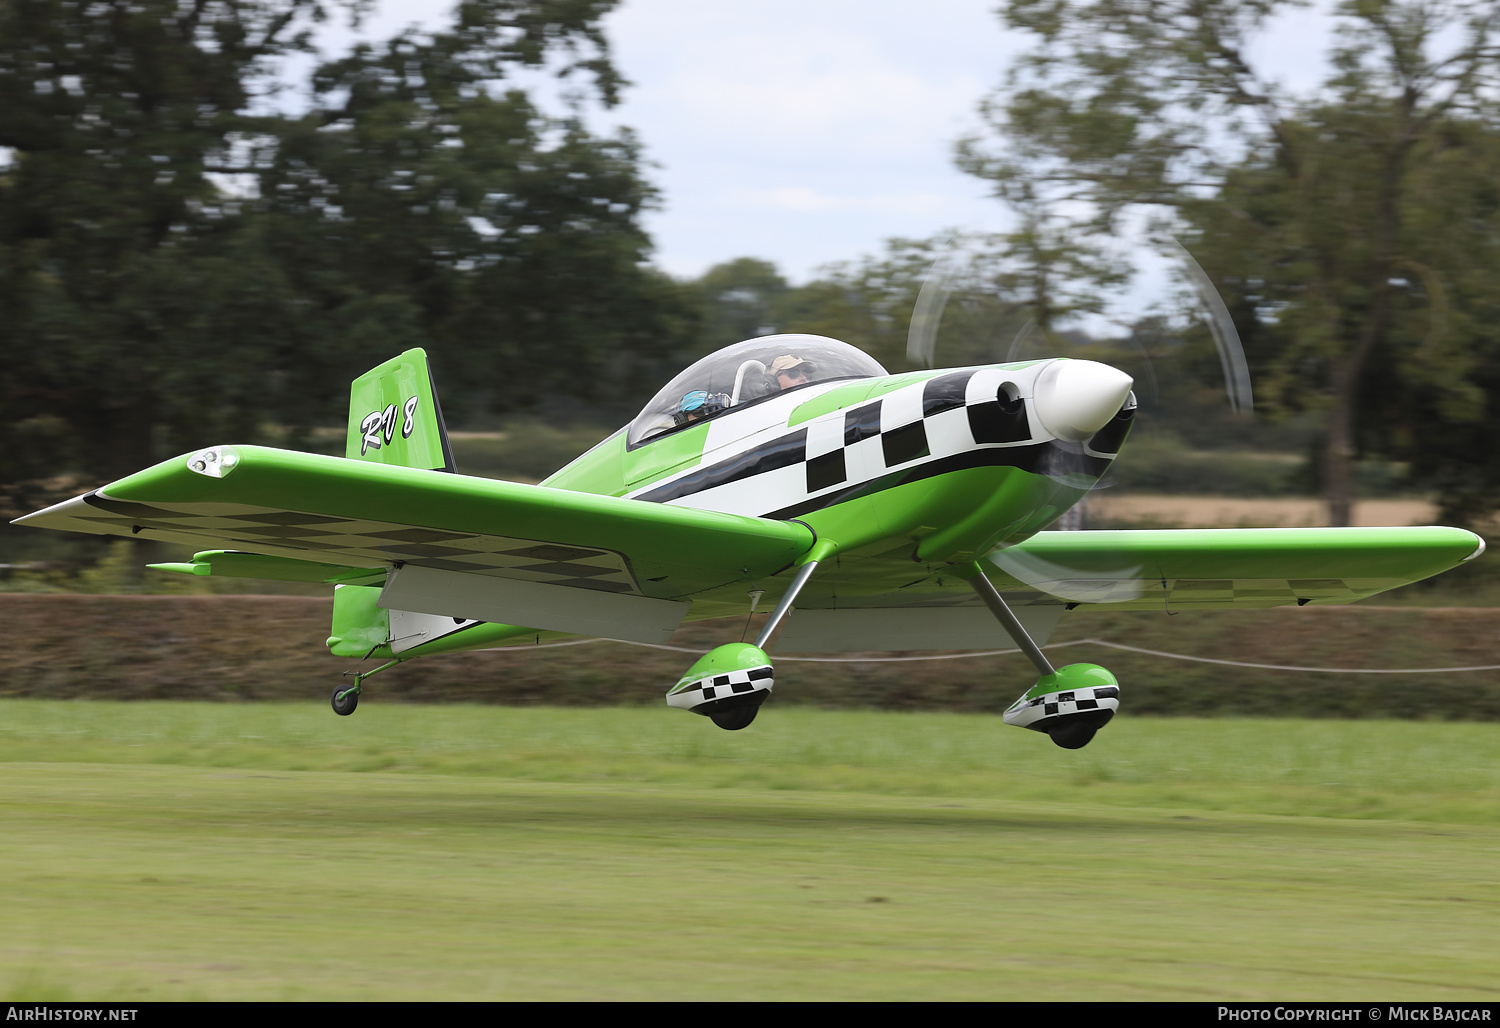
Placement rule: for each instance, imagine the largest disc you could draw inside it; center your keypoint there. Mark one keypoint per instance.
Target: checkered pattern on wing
(328, 539)
(1205, 592)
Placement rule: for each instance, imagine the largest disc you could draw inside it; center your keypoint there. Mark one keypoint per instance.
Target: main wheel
(1073, 737)
(734, 719)
(343, 705)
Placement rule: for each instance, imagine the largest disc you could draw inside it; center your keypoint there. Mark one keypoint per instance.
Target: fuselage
(932, 467)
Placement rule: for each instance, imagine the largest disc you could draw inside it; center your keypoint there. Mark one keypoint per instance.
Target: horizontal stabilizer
(235, 564)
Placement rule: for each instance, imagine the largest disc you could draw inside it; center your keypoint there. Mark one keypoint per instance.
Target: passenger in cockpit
(698, 404)
(789, 371)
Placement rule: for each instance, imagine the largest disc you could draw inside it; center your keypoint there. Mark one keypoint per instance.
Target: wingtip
(1477, 550)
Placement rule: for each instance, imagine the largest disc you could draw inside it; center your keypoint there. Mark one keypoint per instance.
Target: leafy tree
(111, 114)
(997, 297)
(740, 299)
(1280, 241)
(180, 263)
(413, 200)
(1127, 104)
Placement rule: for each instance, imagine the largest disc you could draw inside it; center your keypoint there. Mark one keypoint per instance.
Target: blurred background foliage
(187, 256)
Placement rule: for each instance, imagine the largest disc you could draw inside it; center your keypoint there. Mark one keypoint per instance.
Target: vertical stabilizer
(394, 417)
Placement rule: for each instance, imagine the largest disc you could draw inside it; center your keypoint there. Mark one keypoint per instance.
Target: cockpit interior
(747, 373)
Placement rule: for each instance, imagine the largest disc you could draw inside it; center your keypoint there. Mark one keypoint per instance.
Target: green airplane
(894, 512)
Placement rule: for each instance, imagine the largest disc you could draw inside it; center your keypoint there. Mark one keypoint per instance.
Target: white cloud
(805, 132)
(817, 90)
(805, 200)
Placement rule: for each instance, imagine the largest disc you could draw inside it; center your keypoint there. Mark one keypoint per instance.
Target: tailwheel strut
(346, 697)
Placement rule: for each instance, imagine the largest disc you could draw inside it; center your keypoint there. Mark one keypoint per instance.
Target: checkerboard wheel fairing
(1043, 712)
(722, 691)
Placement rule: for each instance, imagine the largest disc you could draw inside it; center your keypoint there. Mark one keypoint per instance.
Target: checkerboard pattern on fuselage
(947, 422)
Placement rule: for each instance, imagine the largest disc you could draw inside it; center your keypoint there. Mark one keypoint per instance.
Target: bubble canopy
(745, 374)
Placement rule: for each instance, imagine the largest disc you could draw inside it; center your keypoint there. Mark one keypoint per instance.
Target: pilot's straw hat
(787, 362)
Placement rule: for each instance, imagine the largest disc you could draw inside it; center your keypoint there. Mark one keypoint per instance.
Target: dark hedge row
(271, 647)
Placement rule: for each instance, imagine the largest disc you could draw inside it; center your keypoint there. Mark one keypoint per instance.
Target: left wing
(458, 546)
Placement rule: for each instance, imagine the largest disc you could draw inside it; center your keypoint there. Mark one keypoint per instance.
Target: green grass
(224, 851)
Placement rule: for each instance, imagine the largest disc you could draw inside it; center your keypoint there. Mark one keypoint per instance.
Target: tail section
(361, 627)
(394, 417)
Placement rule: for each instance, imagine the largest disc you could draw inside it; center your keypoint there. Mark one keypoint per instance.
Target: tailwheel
(734, 719)
(345, 699)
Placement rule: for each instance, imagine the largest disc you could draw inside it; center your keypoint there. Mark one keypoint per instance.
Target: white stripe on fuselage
(745, 429)
(738, 432)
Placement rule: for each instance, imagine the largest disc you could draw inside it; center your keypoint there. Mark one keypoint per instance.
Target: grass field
(273, 851)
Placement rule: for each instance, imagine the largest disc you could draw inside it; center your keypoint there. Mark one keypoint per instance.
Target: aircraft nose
(1074, 398)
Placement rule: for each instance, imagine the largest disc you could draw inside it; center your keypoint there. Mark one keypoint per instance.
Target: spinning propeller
(1121, 577)
(942, 280)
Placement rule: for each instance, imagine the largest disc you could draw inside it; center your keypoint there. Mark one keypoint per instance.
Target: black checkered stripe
(360, 541)
(1188, 592)
(947, 423)
(1070, 701)
(718, 687)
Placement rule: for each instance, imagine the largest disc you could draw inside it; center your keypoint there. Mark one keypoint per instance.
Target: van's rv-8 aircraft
(895, 512)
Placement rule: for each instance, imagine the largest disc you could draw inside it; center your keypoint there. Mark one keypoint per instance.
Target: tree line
(186, 255)
(183, 257)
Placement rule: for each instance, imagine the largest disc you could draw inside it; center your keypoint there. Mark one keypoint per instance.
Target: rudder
(394, 417)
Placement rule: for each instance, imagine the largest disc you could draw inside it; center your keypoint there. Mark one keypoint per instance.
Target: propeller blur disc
(1226, 337)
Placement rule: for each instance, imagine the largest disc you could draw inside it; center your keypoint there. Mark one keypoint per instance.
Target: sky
(806, 132)
(812, 131)
(799, 132)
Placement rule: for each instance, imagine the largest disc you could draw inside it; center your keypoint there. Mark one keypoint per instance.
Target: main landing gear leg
(346, 697)
(730, 682)
(1069, 704)
(773, 623)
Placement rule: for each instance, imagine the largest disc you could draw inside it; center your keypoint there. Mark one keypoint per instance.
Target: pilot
(789, 371)
(697, 405)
